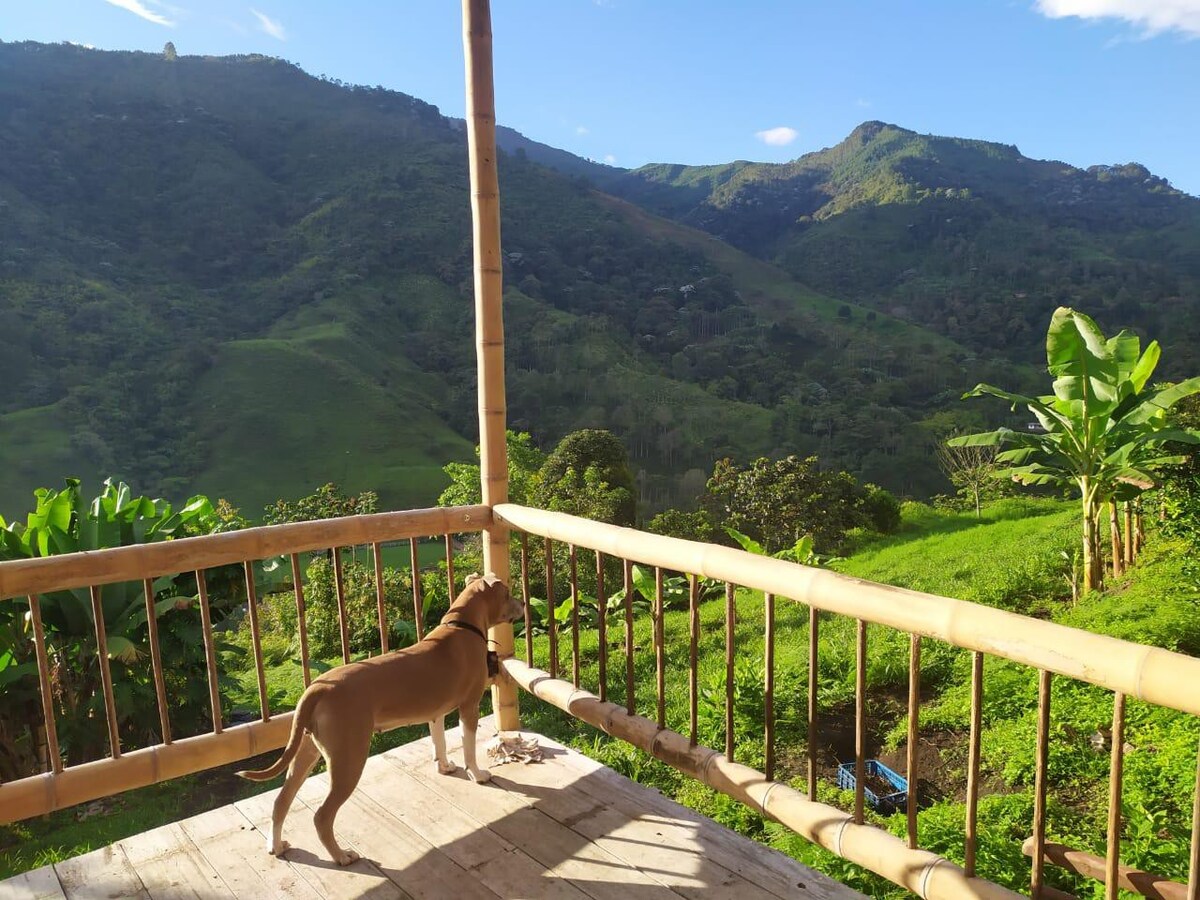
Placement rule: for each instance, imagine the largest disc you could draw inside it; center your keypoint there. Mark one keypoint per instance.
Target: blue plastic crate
(896, 800)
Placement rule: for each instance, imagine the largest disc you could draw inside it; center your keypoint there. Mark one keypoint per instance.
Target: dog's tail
(300, 722)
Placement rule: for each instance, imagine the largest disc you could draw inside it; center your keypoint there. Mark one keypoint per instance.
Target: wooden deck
(564, 828)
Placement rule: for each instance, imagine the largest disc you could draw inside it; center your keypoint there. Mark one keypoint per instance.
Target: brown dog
(342, 708)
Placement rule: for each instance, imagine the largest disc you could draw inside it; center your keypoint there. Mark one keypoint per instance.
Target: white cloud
(138, 9)
(610, 159)
(862, 103)
(270, 26)
(777, 137)
(581, 130)
(1151, 16)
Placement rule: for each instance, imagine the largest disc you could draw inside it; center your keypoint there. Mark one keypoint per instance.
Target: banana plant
(1105, 428)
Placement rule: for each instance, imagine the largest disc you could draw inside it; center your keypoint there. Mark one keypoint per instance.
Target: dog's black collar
(459, 623)
(493, 659)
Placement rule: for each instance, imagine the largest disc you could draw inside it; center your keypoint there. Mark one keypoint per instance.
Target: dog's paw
(278, 849)
(346, 857)
(446, 768)
(480, 776)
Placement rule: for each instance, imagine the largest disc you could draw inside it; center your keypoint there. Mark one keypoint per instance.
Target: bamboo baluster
(660, 662)
(602, 626)
(769, 687)
(972, 833)
(1193, 892)
(860, 719)
(551, 631)
(914, 706)
(487, 266)
(574, 616)
(301, 621)
(1039, 785)
(110, 708)
(451, 588)
(630, 697)
(1112, 862)
(252, 610)
(414, 560)
(44, 685)
(160, 685)
(730, 632)
(525, 597)
(380, 597)
(210, 647)
(811, 741)
(339, 591)
(693, 639)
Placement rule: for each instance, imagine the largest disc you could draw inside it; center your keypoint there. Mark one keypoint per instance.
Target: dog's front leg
(468, 714)
(437, 731)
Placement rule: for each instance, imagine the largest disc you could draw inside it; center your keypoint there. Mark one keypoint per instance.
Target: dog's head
(501, 605)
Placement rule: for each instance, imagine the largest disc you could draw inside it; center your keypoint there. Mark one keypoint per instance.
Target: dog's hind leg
(437, 731)
(468, 714)
(306, 757)
(344, 771)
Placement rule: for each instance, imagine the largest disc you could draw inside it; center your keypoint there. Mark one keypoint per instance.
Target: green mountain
(967, 238)
(225, 275)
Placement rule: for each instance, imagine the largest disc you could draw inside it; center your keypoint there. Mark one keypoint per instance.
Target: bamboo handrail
(922, 872)
(43, 575)
(1161, 677)
(41, 794)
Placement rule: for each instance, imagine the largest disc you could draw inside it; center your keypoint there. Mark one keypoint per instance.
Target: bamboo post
(630, 691)
(160, 685)
(1193, 885)
(1112, 862)
(301, 621)
(339, 591)
(914, 711)
(660, 662)
(256, 639)
(769, 686)
(574, 563)
(551, 622)
(380, 596)
(110, 706)
(44, 686)
(973, 763)
(602, 626)
(450, 585)
(210, 647)
(811, 737)
(860, 718)
(489, 320)
(693, 638)
(418, 601)
(730, 635)
(525, 598)
(1039, 786)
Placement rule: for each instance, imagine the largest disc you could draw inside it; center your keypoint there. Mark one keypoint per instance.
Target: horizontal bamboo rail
(170, 758)
(1093, 866)
(1157, 676)
(922, 872)
(41, 794)
(43, 575)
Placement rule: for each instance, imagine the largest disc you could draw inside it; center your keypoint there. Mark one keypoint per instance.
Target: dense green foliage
(968, 238)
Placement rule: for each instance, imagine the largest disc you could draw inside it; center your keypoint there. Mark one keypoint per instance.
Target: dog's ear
(472, 578)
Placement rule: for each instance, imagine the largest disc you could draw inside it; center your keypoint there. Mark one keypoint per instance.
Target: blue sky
(636, 81)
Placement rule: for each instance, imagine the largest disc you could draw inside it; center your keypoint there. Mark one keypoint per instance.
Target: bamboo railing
(31, 580)
(1150, 674)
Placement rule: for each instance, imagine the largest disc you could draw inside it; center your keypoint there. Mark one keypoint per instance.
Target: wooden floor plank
(239, 852)
(103, 873)
(419, 868)
(560, 850)
(38, 884)
(172, 867)
(310, 861)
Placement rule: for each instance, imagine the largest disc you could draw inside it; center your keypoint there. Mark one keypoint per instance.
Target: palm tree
(1104, 428)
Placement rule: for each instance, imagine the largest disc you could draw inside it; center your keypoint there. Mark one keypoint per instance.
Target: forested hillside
(968, 238)
(226, 275)
(223, 274)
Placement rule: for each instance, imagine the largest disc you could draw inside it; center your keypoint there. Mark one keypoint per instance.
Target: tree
(326, 502)
(524, 461)
(588, 474)
(169, 53)
(777, 502)
(971, 469)
(1105, 429)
